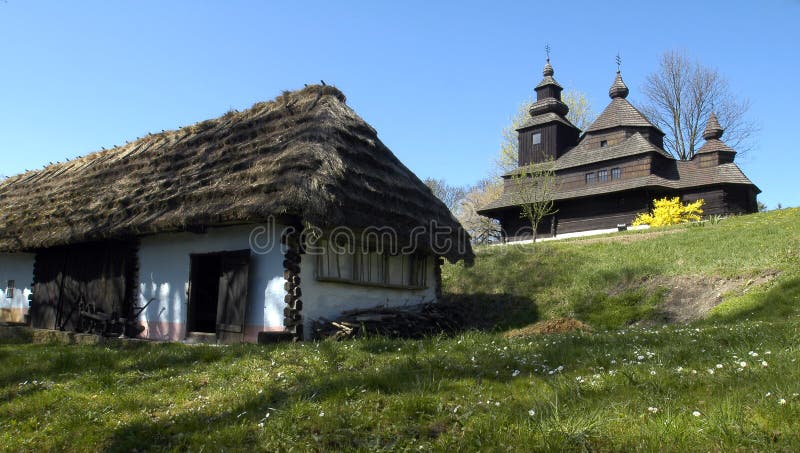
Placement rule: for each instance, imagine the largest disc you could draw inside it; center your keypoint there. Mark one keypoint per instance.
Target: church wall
(575, 178)
(528, 152)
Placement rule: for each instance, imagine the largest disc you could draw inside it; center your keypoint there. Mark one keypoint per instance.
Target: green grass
(605, 282)
(473, 391)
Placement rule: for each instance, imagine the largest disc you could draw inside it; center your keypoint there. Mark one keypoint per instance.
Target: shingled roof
(619, 112)
(584, 155)
(305, 155)
(712, 135)
(686, 175)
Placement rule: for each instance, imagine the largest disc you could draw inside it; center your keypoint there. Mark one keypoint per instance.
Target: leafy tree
(670, 211)
(682, 93)
(535, 185)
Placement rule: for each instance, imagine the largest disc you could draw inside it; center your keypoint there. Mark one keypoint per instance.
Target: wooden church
(614, 170)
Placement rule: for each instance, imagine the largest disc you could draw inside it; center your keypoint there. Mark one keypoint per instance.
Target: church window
(602, 175)
(589, 178)
(603, 143)
(536, 138)
(615, 173)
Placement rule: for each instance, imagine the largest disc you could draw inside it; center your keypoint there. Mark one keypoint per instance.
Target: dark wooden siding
(618, 135)
(101, 273)
(608, 211)
(601, 212)
(575, 178)
(528, 152)
(555, 139)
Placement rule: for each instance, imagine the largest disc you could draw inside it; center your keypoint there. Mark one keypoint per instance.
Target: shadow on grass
(60, 363)
(774, 304)
(422, 376)
(490, 311)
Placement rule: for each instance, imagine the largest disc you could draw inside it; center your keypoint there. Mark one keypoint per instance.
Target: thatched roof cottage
(255, 222)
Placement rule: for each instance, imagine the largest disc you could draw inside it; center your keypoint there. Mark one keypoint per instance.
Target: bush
(670, 211)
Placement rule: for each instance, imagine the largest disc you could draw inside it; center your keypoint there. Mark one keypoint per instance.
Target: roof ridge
(620, 112)
(288, 97)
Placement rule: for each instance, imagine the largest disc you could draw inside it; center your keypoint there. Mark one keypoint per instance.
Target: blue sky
(438, 80)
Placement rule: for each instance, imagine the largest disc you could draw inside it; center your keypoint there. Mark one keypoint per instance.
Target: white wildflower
(652, 409)
(743, 364)
(696, 413)
(515, 373)
(781, 401)
(764, 363)
(719, 366)
(531, 412)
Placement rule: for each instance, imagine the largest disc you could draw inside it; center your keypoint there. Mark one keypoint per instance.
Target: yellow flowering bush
(670, 211)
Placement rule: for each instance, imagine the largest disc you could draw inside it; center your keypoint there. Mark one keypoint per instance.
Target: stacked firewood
(403, 322)
(292, 317)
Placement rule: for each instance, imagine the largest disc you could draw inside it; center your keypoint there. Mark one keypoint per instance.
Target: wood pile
(399, 322)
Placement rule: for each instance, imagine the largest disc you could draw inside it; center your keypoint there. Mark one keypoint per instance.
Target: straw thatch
(306, 155)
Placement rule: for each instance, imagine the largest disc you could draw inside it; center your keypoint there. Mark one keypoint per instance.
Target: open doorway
(204, 294)
(218, 295)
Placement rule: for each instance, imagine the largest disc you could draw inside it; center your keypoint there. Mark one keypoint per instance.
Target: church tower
(548, 133)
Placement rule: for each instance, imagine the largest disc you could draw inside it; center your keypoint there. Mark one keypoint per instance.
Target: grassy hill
(728, 380)
(619, 279)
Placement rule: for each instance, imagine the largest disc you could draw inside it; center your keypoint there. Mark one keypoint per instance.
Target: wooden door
(49, 277)
(232, 301)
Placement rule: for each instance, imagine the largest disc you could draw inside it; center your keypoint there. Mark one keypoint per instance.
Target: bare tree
(483, 230)
(451, 196)
(682, 93)
(580, 114)
(535, 186)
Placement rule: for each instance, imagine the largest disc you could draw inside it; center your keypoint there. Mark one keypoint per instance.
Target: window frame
(414, 268)
(616, 173)
(604, 143)
(590, 177)
(602, 175)
(536, 138)
(10, 289)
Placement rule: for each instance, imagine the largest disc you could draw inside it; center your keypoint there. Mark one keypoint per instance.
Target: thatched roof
(306, 155)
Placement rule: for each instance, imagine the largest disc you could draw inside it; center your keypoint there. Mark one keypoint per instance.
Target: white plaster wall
(164, 267)
(17, 267)
(328, 300)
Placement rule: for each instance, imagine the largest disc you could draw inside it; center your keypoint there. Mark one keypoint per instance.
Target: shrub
(670, 211)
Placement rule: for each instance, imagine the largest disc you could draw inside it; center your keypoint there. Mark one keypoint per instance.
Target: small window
(603, 143)
(615, 173)
(10, 289)
(361, 265)
(602, 175)
(536, 138)
(589, 178)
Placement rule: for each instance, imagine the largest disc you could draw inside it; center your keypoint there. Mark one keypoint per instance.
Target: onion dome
(713, 129)
(548, 70)
(548, 95)
(618, 88)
